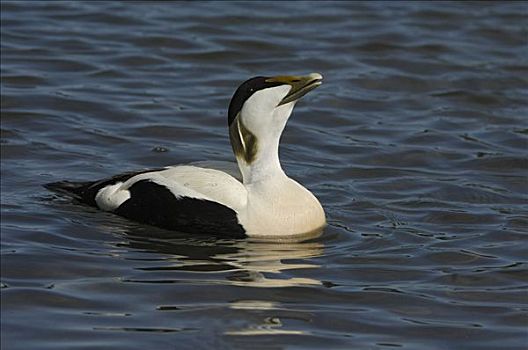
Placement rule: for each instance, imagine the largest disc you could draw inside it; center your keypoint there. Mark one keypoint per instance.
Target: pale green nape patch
(243, 141)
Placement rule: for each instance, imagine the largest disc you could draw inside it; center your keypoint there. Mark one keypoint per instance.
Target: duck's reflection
(246, 262)
(250, 263)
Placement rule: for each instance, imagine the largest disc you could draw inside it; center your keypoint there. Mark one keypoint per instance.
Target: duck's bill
(301, 85)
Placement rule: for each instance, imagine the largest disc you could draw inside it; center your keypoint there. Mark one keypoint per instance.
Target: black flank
(156, 205)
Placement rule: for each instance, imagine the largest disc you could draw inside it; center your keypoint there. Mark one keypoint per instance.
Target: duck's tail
(70, 188)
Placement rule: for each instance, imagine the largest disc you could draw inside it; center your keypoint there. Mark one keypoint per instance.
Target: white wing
(210, 183)
(183, 181)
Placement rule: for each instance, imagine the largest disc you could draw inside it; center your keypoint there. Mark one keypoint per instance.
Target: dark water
(416, 145)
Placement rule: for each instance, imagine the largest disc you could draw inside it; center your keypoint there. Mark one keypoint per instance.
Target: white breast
(282, 208)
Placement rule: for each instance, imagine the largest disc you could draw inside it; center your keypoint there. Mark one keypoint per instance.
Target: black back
(244, 91)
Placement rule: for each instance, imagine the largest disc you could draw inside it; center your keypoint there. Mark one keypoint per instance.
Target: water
(415, 144)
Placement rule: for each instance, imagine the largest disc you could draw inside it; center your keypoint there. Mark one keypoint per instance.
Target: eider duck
(255, 199)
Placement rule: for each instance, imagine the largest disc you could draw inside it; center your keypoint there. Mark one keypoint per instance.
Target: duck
(250, 198)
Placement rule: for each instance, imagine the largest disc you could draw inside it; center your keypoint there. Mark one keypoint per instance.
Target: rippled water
(415, 144)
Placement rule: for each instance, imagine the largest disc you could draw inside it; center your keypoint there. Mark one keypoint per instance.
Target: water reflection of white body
(263, 263)
(200, 261)
(251, 263)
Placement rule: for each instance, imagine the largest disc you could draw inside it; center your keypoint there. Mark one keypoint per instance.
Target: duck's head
(259, 111)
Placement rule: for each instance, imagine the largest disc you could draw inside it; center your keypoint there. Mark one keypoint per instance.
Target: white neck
(266, 165)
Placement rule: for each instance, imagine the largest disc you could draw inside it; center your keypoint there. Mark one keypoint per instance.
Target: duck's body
(254, 199)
